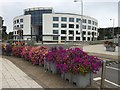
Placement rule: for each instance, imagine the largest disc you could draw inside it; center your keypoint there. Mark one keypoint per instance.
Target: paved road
(112, 72)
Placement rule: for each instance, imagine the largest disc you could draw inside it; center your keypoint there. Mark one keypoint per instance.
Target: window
(92, 22)
(63, 31)
(78, 19)
(71, 25)
(84, 38)
(14, 22)
(71, 38)
(63, 38)
(15, 32)
(63, 25)
(17, 20)
(77, 32)
(88, 38)
(89, 21)
(88, 33)
(55, 37)
(21, 25)
(55, 31)
(89, 27)
(17, 25)
(55, 19)
(21, 20)
(84, 26)
(63, 19)
(96, 23)
(77, 26)
(71, 19)
(55, 25)
(71, 32)
(84, 20)
(84, 33)
(77, 38)
(93, 28)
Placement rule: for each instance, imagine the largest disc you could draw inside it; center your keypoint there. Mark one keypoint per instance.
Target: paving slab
(12, 77)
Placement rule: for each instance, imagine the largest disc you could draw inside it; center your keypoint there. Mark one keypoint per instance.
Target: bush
(16, 50)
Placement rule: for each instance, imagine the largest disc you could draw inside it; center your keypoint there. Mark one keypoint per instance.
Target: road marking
(99, 78)
(113, 68)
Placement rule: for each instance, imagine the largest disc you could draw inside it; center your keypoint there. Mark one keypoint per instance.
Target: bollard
(103, 75)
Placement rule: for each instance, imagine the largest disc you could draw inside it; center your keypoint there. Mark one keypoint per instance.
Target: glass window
(63, 37)
(55, 25)
(17, 25)
(88, 33)
(77, 32)
(71, 38)
(55, 37)
(89, 21)
(63, 31)
(84, 20)
(89, 27)
(88, 38)
(77, 38)
(21, 20)
(17, 20)
(14, 22)
(63, 19)
(92, 22)
(71, 32)
(84, 32)
(96, 23)
(21, 25)
(63, 25)
(71, 25)
(77, 26)
(71, 19)
(55, 31)
(84, 26)
(93, 28)
(55, 18)
(78, 19)
(84, 38)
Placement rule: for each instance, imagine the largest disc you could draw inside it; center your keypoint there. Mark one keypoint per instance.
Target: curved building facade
(45, 25)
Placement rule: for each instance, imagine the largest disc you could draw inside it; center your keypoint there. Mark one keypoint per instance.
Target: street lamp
(113, 27)
(81, 32)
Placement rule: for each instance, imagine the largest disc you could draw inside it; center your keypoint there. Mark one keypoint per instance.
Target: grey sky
(102, 10)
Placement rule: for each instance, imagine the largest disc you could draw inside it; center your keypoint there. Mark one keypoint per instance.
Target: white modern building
(47, 26)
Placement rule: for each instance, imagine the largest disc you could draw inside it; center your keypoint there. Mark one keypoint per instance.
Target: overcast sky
(102, 10)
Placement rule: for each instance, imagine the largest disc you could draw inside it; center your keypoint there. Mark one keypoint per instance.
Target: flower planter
(111, 49)
(46, 65)
(82, 81)
(68, 77)
(53, 68)
(63, 76)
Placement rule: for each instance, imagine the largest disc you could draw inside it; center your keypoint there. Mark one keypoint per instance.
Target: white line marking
(113, 68)
(99, 78)
(112, 83)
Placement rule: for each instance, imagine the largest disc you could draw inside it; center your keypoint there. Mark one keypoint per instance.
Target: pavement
(100, 51)
(12, 77)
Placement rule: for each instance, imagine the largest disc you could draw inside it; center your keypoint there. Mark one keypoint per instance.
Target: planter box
(111, 49)
(68, 77)
(82, 81)
(46, 65)
(53, 68)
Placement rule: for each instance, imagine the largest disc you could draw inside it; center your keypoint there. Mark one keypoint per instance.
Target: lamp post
(113, 27)
(81, 27)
